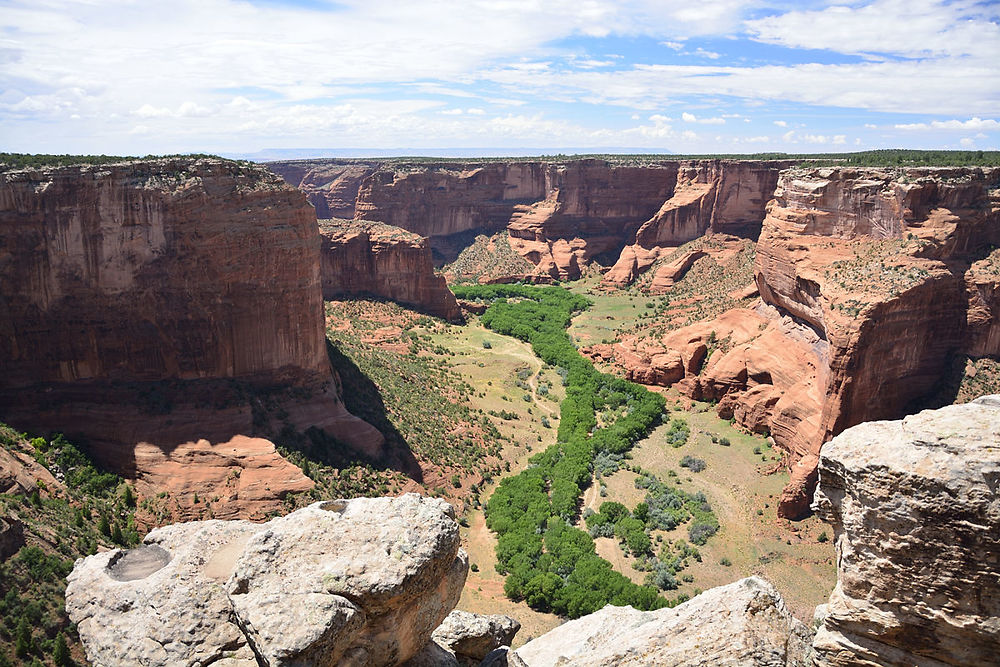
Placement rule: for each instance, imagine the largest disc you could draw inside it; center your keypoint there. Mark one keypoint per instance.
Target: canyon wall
(560, 216)
(370, 258)
(870, 282)
(158, 309)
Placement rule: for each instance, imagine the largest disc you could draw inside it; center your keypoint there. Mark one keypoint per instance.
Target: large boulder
(475, 635)
(916, 514)
(744, 623)
(356, 582)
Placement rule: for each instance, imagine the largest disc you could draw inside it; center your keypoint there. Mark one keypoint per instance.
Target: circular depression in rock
(337, 506)
(138, 563)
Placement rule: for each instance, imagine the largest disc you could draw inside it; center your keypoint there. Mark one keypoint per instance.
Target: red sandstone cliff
(870, 280)
(159, 311)
(360, 257)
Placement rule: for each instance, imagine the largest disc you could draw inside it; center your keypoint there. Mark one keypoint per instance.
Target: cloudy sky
(146, 76)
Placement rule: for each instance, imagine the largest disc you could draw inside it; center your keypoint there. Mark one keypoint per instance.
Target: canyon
(168, 313)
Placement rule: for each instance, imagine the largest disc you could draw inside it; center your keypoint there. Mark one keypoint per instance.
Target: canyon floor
(499, 379)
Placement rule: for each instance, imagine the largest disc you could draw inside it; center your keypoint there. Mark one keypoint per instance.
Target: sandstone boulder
(475, 635)
(744, 623)
(162, 603)
(915, 509)
(358, 582)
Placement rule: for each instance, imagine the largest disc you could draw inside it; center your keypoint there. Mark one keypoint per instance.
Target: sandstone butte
(560, 216)
(871, 281)
(915, 507)
(153, 309)
(370, 258)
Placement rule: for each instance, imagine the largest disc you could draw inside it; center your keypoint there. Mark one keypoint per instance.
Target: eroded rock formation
(915, 508)
(370, 258)
(167, 303)
(744, 623)
(560, 216)
(358, 582)
(870, 281)
(716, 196)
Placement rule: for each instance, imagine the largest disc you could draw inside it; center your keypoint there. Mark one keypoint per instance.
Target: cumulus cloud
(691, 118)
(954, 124)
(781, 123)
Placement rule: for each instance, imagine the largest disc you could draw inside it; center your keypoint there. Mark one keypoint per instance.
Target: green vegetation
(88, 508)
(548, 562)
(9, 161)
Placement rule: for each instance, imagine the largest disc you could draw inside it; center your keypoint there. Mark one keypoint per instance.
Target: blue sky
(735, 76)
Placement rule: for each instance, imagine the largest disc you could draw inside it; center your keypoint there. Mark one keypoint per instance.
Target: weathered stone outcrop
(361, 257)
(358, 582)
(475, 635)
(915, 509)
(744, 623)
(165, 302)
(870, 281)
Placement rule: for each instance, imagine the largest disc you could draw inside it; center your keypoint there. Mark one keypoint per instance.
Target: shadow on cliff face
(362, 398)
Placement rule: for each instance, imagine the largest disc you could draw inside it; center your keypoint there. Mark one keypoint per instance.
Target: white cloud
(909, 28)
(967, 142)
(451, 112)
(475, 111)
(781, 123)
(691, 118)
(954, 124)
(871, 127)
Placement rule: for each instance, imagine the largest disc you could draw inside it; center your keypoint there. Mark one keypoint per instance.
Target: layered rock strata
(870, 281)
(167, 303)
(560, 216)
(358, 582)
(915, 509)
(370, 258)
(744, 623)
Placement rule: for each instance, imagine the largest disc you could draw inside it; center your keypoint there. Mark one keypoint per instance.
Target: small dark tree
(60, 652)
(116, 534)
(104, 527)
(22, 638)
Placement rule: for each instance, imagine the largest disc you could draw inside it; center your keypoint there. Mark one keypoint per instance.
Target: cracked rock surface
(915, 506)
(743, 623)
(357, 582)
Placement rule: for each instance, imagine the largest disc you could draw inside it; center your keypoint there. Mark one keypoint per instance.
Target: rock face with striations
(870, 281)
(744, 623)
(915, 506)
(357, 582)
(162, 303)
(361, 257)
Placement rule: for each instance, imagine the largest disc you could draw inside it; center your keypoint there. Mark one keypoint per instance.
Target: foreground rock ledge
(356, 582)
(744, 623)
(916, 513)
